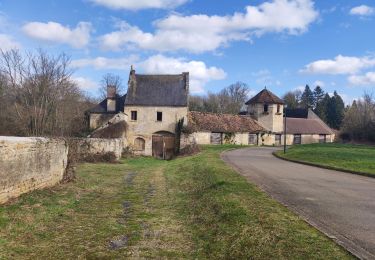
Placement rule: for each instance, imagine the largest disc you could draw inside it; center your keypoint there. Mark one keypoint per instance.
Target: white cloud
(85, 83)
(362, 10)
(139, 4)
(54, 32)
(199, 73)
(8, 43)
(199, 33)
(319, 83)
(361, 80)
(339, 65)
(106, 63)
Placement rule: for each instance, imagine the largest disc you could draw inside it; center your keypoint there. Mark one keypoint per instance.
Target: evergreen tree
(323, 108)
(307, 99)
(340, 109)
(335, 111)
(319, 104)
(318, 95)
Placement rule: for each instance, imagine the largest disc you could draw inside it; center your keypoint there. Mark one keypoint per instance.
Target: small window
(278, 108)
(297, 139)
(265, 108)
(322, 139)
(159, 116)
(134, 115)
(139, 144)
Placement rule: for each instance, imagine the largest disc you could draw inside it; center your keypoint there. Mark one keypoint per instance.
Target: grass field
(359, 158)
(192, 207)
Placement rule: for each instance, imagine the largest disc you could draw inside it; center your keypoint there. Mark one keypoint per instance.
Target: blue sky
(281, 44)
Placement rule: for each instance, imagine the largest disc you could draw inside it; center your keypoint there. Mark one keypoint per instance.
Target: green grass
(192, 207)
(358, 158)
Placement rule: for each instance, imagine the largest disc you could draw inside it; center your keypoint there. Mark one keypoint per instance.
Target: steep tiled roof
(265, 96)
(102, 106)
(226, 123)
(158, 90)
(306, 126)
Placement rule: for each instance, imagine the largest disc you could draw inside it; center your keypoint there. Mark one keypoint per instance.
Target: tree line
(229, 100)
(359, 120)
(331, 109)
(38, 96)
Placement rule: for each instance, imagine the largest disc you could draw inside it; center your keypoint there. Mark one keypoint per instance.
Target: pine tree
(335, 111)
(320, 102)
(318, 95)
(340, 109)
(307, 99)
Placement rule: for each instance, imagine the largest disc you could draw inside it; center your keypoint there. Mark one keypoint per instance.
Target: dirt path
(161, 234)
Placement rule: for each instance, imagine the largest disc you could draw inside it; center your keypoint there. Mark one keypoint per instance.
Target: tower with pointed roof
(267, 109)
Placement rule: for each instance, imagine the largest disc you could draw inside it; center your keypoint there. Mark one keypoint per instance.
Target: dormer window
(265, 108)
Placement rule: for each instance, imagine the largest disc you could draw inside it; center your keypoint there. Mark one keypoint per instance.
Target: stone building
(211, 128)
(147, 115)
(303, 126)
(107, 109)
(146, 118)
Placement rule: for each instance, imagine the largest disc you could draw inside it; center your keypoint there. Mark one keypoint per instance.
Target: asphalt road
(341, 205)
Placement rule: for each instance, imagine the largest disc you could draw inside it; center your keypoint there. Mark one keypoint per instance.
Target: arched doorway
(163, 145)
(139, 144)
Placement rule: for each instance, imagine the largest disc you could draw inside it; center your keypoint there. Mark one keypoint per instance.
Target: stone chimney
(186, 78)
(132, 84)
(111, 98)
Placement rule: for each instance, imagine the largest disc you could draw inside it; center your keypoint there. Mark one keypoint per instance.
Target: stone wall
(87, 146)
(272, 120)
(30, 163)
(146, 124)
(201, 138)
(267, 139)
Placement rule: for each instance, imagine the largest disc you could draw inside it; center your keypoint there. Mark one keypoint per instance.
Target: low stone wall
(93, 146)
(30, 163)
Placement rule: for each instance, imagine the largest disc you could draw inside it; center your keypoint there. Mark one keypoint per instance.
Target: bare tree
(359, 120)
(293, 98)
(233, 97)
(110, 79)
(229, 100)
(42, 95)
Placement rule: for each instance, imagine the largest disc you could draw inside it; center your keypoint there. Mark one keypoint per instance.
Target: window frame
(159, 113)
(295, 137)
(266, 108)
(133, 115)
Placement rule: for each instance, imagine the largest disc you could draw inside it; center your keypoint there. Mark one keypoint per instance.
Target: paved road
(342, 205)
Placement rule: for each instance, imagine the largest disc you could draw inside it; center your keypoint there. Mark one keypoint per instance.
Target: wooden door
(163, 147)
(216, 138)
